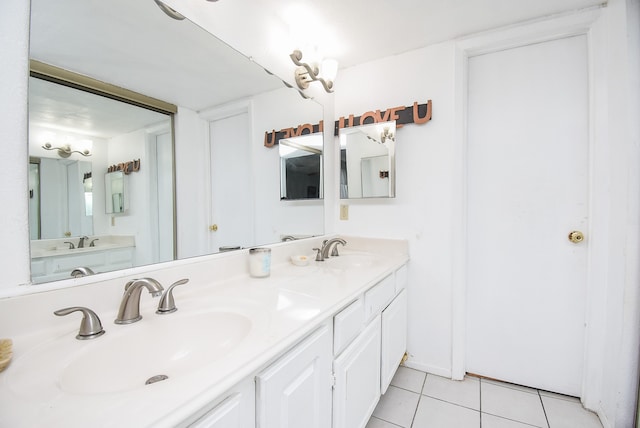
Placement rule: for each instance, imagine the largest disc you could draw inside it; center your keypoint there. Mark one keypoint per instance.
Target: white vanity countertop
(283, 308)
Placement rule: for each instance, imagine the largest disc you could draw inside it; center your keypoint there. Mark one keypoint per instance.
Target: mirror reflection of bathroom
(60, 197)
(114, 192)
(301, 167)
(367, 161)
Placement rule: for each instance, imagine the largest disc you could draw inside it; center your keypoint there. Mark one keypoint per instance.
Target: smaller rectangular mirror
(301, 167)
(367, 161)
(114, 192)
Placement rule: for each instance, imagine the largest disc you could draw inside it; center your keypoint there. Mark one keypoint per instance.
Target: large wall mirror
(135, 46)
(367, 161)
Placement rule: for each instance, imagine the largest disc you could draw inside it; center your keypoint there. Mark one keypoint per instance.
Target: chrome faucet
(81, 242)
(81, 271)
(323, 253)
(129, 311)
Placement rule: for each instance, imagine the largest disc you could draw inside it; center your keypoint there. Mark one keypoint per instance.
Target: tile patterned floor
(419, 400)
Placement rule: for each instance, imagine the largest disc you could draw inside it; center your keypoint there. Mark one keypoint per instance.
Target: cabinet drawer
(401, 279)
(347, 324)
(379, 296)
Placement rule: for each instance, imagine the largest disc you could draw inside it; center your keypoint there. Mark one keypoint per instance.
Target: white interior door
(527, 184)
(231, 182)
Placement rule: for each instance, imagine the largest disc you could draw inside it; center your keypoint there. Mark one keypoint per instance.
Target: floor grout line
(480, 399)
(384, 420)
(544, 410)
(415, 412)
(480, 410)
(512, 420)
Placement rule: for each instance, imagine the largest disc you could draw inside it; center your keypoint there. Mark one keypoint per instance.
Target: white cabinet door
(236, 410)
(394, 338)
(357, 379)
(295, 391)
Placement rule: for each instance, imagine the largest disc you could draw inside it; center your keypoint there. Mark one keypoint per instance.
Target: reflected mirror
(367, 161)
(175, 62)
(114, 192)
(74, 138)
(301, 167)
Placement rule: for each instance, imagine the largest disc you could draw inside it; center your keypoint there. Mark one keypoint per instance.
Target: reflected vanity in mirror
(189, 70)
(367, 161)
(301, 167)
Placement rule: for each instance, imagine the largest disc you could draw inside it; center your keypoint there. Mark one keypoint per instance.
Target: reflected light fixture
(65, 151)
(306, 73)
(172, 12)
(386, 134)
(169, 11)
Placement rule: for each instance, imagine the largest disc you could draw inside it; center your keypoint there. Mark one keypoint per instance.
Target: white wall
(191, 173)
(421, 211)
(14, 71)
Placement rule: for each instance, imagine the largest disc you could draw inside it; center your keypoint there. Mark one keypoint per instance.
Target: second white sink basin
(353, 260)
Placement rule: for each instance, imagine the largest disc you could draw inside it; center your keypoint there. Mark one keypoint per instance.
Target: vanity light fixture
(65, 151)
(306, 73)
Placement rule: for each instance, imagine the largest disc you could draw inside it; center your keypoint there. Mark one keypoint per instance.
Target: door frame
(586, 23)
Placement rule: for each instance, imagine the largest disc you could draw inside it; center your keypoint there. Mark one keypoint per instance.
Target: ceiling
(133, 44)
(365, 30)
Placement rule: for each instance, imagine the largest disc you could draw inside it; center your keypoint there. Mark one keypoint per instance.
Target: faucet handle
(319, 257)
(167, 305)
(71, 246)
(90, 326)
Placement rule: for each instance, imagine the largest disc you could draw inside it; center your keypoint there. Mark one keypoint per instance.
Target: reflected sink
(353, 260)
(127, 356)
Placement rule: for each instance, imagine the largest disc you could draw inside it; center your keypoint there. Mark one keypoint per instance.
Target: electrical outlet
(344, 212)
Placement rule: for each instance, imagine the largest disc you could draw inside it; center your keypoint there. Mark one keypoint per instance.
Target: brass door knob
(213, 227)
(576, 236)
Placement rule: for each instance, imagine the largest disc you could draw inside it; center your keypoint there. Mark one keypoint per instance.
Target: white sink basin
(127, 356)
(353, 260)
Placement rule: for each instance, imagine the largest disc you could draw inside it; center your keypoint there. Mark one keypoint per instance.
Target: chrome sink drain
(156, 378)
